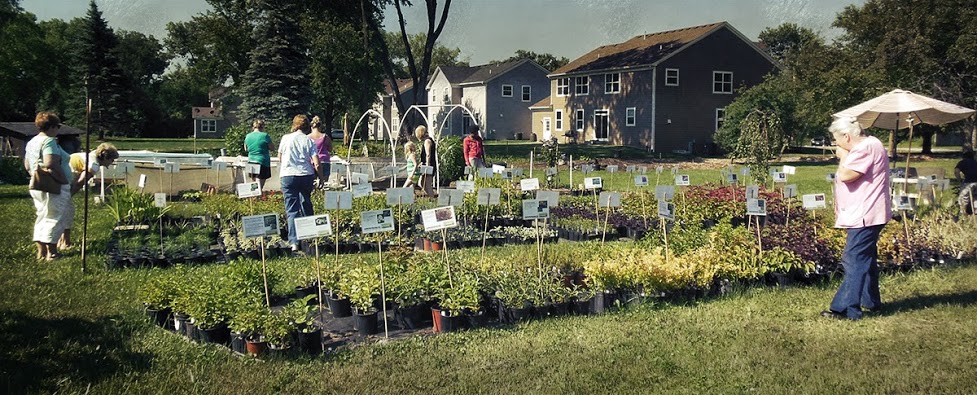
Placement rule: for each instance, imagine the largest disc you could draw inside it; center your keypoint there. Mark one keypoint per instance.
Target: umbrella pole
(905, 183)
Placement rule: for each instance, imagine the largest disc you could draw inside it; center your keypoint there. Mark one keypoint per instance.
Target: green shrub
(451, 161)
(234, 136)
(12, 171)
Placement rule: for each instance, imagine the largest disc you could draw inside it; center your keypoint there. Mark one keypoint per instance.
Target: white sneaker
(295, 247)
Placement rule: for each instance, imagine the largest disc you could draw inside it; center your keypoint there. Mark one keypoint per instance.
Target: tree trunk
(927, 132)
(892, 145)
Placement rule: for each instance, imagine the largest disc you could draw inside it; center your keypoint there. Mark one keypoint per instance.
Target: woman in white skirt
(52, 208)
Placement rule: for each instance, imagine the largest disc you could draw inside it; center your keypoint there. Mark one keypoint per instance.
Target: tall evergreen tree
(104, 80)
(275, 85)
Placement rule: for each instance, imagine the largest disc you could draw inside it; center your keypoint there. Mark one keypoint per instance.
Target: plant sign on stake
(441, 218)
(376, 221)
(338, 200)
(399, 197)
(451, 197)
(813, 202)
(487, 197)
(755, 208)
(529, 184)
(260, 226)
(593, 183)
(608, 199)
(666, 212)
(535, 209)
(641, 181)
(314, 227)
(789, 193)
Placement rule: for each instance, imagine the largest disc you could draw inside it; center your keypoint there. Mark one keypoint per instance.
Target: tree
(786, 40)
(275, 85)
(101, 75)
(440, 55)
(548, 61)
(215, 44)
(25, 65)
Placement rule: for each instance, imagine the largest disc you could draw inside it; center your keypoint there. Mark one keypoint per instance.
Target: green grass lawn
(70, 332)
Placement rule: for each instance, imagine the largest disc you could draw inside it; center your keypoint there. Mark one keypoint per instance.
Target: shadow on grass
(41, 354)
(963, 299)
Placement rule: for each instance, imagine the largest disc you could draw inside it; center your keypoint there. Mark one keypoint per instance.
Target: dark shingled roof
(542, 103)
(403, 83)
(486, 72)
(457, 74)
(27, 130)
(641, 50)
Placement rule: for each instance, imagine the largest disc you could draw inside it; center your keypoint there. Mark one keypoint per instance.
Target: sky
(487, 30)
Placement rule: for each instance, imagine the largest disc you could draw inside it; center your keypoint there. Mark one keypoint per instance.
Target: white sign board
(338, 200)
(489, 196)
(517, 172)
(609, 199)
(362, 190)
(439, 218)
(586, 169)
(125, 167)
(629, 169)
(219, 166)
(142, 180)
(752, 192)
(451, 197)
(659, 169)
(641, 180)
(465, 186)
(159, 199)
(675, 170)
(592, 182)
(790, 191)
(260, 225)
(902, 202)
(248, 190)
(159, 162)
(535, 209)
(550, 171)
(732, 178)
(779, 177)
(789, 170)
(612, 168)
(552, 198)
(252, 169)
(375, 221)
(529, 184)
(337, 168)
(813, 201)
(172, 167)
(756, 207)
(507, 175)
(664, 192)
(745, 171)
(390, 170)
(397, 196)
(424, 169)
(498, 169)
(359, 178)
(682, 180)
(666, 210)
(485, 172)
(643, 169)
(313, 226)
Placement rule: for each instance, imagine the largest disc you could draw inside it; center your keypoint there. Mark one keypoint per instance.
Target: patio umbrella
(900, 109)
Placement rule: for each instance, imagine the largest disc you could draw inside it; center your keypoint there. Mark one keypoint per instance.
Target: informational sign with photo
(159, 162)
(813, 201)
(682, 180)
(641, 180)
(756, 207)
(902, 202)
(790, 191)
(375, 221)
(529, 184)
(313, 226)
(535, 209)
(732, 178)
(362, 190)
(609, 199)
(142, 180)
(612, 168)
(424, 169)
(171, 167)
(439, 218)
(779, 177)
(397, 196)
(248, 190)
(260, 225)
(664, 192)
(593, 182)
(489, 196)
(338, 200)
(451, 197)
(159, 199)
(465, 186)
(485, 172)
(752, 192)
(789, 169)
(551, 197)
(252, 169)
(666, 210)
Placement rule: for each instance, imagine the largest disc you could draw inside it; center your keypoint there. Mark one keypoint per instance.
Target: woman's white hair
(846, 125)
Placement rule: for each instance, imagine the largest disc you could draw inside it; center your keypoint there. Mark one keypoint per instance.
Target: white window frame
(631, 116)
(527, 93)
(720, 118)
(581, 89)
(504, 86)
(558, 120)
(563, 86)
(580, 120)
(612, 83)
(671, 74)
(718, 77)
(208, 126)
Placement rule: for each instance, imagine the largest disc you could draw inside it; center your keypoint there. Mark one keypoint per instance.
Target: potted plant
(157, 296)
(210, 307)
(302, 317)
(361, 284)
(460, 303)
(277, 332)
(249, 324)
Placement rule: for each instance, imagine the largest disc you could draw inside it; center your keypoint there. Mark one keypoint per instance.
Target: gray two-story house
(664, 91)
(497, 95)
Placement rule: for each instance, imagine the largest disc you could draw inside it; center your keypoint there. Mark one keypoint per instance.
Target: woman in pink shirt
(863, 206)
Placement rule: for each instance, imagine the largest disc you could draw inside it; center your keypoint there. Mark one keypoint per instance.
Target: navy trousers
(861, 284)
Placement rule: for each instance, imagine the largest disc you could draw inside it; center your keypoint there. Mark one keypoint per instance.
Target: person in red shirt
(474, 149)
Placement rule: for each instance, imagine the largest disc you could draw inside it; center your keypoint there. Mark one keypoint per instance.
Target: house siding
(510, 117)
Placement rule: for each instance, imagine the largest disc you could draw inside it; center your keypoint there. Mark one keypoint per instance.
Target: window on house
(720, 118)
(671, 77)
(506, 90)
(447, 96)
(559, 120)
(563, 86)
(581, 86)
(578, 118)
(527, 93)
(208, 126)
(629, 118)
(612, 83)
(722, 82)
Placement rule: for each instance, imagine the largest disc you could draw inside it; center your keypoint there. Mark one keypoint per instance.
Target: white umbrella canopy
(899, 109)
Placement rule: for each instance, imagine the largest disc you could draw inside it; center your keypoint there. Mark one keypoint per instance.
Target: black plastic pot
(238, 343)
(159, 317)
(310, 342)
(366, 324)
(410, 317)
(180, 321)
(219, 334)
(339, 308)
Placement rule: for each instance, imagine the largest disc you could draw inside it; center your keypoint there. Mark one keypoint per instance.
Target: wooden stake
(383, 290)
